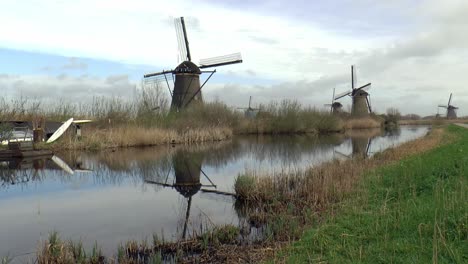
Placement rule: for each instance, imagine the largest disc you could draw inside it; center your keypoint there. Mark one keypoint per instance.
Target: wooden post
(38, 135)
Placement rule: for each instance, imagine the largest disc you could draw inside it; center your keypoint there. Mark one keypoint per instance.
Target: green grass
(414, 211)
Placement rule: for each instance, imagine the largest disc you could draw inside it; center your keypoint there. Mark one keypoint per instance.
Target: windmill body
(186, 76)
(360, 97)
(186, 85)
(250, 112)
(451, 109)
(360, 106)
(335, 107)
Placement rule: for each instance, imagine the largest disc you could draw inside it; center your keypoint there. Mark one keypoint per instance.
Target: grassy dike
(412, 211)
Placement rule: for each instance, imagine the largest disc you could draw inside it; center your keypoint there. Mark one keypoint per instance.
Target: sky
(415, 53)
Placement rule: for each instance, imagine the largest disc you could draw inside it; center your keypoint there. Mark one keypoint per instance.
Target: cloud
(69, 88)
(298, 51)
(75, 64)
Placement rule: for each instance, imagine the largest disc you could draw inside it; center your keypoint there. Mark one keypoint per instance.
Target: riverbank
(118, 123)
(411, 211)
(428, 122)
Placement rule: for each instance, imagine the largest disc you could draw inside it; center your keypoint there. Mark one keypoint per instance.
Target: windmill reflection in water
(186, 181)
(361, 142)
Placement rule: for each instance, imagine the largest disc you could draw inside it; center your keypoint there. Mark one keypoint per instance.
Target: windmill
(250, 112)
(335, 107)
(361, 99)
(451, 110)
(186, 76)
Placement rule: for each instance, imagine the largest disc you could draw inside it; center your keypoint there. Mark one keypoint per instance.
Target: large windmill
(186, 75)
(335, 107)
(250, 112)
(451, 110)
(361, 99)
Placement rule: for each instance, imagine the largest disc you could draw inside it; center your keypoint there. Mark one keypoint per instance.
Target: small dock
(22, 150)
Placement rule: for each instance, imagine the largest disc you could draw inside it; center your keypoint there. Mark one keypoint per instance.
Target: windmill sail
(353, 77)
(157, 73)
(342, 95)
(182, 40)
(450, 99)
(221, 60)
(364, 87)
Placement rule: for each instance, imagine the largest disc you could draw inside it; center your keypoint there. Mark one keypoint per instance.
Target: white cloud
(426, 57)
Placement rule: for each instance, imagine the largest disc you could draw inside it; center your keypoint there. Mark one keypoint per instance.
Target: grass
(412, 211)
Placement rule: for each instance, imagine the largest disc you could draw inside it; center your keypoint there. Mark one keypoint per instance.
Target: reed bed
(361, 123)
(146, 120)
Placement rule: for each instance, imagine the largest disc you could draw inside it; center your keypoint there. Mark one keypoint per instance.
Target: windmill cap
(187, 67)
(361, 93)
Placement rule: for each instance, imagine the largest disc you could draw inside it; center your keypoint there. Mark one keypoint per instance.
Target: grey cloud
(117, 79)
(81, 88)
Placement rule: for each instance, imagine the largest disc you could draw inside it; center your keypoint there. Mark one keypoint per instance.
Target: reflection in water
(187, 168)
(114, 196)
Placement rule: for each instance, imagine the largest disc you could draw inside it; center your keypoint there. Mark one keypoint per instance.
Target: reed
(361, 123)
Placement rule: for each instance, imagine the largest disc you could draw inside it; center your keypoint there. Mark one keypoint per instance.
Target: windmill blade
(149, 75)
(221, 60)
(450, 99)
(353, 77)
(343, 95)
(182, 40)
(158, 78)
(368, 103)
(364, 87)
(341, 154)
(443, 106)
(333, 100)
(250, 100)
(368, 146)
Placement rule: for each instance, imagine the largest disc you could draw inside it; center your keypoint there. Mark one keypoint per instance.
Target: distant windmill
(250, 112)
(186, 75)
(335, 107)
(451, 110)
(361, 99)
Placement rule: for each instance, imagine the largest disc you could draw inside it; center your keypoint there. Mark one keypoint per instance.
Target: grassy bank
(412, 211)
(436, 121)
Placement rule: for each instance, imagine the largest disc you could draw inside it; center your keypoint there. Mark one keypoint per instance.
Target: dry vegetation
(146, 120)
(368, 122)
